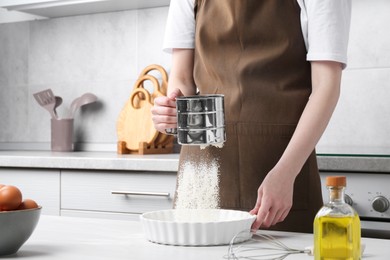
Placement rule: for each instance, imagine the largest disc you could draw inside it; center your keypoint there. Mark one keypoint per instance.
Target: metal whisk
(260, 247)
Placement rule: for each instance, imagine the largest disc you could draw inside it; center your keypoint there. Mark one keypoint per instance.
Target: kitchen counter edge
(161, 162)
(89, 161)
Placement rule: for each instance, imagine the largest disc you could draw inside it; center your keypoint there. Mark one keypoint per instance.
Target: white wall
(362, 117)
(104, 53)
(99, 53)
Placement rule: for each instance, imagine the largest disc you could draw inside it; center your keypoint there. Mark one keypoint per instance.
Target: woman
(279, 65)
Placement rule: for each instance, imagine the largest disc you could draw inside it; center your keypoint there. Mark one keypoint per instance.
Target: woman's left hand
(274, 199)
(274, 196)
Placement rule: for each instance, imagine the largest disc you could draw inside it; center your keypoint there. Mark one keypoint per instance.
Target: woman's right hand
(164, 111)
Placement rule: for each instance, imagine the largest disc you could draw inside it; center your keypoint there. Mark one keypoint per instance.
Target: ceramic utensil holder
(62, 135)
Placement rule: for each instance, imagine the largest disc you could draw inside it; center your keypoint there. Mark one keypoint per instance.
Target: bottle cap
(336, 181)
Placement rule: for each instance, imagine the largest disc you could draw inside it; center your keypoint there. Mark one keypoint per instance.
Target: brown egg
(10, 197)
(28, 204)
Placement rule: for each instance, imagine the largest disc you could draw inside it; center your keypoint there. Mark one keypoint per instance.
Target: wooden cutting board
(156, 87)
(158, 91)
(163, 88)
(135, 123)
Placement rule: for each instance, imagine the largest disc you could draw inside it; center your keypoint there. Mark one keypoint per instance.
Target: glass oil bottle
(337, 226)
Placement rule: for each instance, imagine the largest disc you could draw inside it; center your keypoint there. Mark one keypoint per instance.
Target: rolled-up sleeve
(180, 26)
(327, 28)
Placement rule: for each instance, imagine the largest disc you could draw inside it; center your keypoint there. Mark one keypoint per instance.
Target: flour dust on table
(198, 186)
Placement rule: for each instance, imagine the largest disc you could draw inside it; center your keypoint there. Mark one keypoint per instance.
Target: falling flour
(204, 146)
(198, 186)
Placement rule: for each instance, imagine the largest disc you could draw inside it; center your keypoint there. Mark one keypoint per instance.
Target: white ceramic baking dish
(196, 227)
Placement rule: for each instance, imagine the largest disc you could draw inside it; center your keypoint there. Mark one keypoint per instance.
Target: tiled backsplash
(104, 54)
(100, 53)
(362, 117)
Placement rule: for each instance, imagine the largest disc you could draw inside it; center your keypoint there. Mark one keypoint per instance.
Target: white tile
(13, 53)
(369, 45)
(151, 28)
(13, 114)
(83, 48)
(362, 117)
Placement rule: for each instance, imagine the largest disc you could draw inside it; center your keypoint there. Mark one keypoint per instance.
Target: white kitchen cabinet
(41, 185)
(115, 194)
(61, 8)
(83, 181)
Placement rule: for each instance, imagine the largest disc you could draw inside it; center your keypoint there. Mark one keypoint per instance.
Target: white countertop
(164, 162)
(89, 160)
(67, 238)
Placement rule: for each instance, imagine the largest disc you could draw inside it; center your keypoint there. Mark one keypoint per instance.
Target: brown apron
(253, 52)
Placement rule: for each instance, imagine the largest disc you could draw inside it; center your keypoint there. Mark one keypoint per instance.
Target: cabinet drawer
(41, 185)
(127, 192)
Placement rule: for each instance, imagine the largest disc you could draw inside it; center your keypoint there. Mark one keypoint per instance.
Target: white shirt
(325, 28)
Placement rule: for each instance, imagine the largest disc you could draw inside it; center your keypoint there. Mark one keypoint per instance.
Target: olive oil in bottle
(337, 226)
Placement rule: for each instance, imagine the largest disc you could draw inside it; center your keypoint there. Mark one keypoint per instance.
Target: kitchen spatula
(47, 100)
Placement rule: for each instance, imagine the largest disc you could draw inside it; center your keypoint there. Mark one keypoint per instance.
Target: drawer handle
(142, 193)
